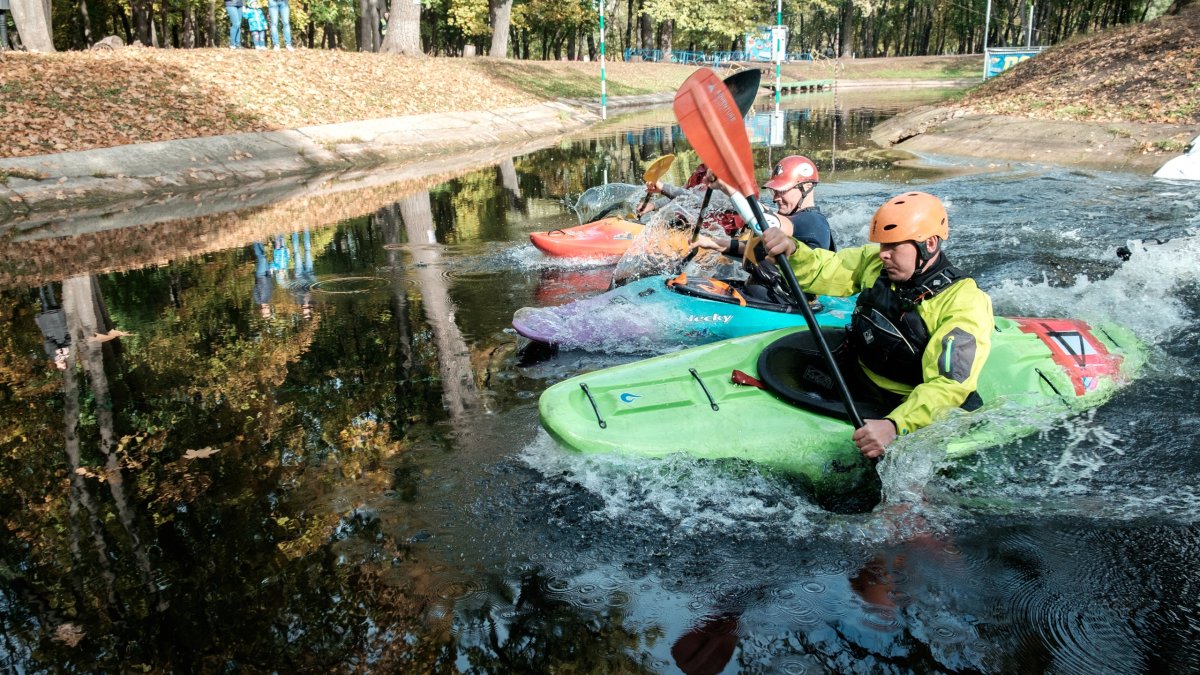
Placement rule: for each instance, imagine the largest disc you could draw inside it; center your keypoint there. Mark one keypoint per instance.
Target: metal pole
(778, 48)
(1029, 27)
(603, 84)
(987, 24)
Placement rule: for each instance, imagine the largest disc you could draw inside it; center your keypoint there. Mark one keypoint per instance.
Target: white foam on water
(678, 492)
(1142, 294)
(528, 257)
(1075, 464)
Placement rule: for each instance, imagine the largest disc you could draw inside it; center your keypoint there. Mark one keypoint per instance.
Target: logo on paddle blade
(629, 398)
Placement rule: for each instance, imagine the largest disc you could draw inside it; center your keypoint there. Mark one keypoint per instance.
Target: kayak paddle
(743, 86)
(657, 169)
(710, 121)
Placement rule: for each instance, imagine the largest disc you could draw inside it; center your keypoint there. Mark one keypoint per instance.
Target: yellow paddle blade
(658, 168)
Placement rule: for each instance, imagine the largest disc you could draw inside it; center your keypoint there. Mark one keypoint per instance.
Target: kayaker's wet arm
(824, 272)
(671, 191)
(954, 357)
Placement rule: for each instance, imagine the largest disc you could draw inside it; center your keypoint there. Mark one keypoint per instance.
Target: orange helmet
(912, 216)
(792, 171)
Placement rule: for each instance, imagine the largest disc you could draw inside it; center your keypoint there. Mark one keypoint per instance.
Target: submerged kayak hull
(604, 238)
(686, 403)
(653, 314)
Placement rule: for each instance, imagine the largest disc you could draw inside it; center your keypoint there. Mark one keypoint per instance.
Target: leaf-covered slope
(96, 99)
(1143, 73)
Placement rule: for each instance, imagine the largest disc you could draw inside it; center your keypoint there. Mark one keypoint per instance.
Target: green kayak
(688, 402)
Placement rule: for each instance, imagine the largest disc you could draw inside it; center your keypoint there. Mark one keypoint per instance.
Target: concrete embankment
(1110, 146)
(37, 194)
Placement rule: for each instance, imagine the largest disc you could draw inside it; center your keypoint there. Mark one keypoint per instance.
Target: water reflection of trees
(165, 517)
(218, 489)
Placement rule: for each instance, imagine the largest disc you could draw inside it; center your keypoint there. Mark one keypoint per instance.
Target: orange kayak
(607, 237)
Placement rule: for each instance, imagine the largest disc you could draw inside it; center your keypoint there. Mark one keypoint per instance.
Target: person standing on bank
(280, 10)
(233, 9)
(921, 330)
(256, 22)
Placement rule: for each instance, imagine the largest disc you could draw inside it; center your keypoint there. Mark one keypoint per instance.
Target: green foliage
(469, 16)
(553, 16)
(706, 20)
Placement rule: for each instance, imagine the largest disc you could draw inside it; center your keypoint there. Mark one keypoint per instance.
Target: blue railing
(715, 58)
(654, 55)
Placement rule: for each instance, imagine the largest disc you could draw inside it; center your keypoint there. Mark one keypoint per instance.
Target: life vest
(886, 332)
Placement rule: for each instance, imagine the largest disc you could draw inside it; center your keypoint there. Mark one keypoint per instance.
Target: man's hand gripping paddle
(743, 86)
(710, 121)
(657, 169)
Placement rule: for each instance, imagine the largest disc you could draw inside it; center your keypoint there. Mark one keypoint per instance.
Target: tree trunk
(846, 33)
(189, 26)
(667, 33)
(210, 40)
(646, 32)
(368, 26)
(85, 25)
(165, 22)
(591, 43)
(141, 21)
(500, 13)
(629, 26)
(404, 29)
(125, 25)
(32, 18)
(571, 46)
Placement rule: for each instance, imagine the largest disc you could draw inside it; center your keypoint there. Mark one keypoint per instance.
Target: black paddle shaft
(695, 231)
(811, 320)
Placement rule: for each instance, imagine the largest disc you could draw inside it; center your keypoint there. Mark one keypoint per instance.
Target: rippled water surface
(303, 437)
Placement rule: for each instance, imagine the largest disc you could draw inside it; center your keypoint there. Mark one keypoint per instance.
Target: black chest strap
(887, 333)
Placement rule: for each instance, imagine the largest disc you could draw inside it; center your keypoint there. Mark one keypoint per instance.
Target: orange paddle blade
(713, 125)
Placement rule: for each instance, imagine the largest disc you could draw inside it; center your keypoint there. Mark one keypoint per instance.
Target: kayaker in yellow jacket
(929, 359)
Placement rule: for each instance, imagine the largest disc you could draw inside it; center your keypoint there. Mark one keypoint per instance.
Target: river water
(322, 453)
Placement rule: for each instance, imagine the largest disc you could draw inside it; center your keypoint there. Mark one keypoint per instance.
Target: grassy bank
(84, 100)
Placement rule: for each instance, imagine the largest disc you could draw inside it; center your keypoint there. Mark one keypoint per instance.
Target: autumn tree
(470, 17)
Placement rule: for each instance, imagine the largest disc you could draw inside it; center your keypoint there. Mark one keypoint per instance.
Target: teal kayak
(662, 313)
(688, 402)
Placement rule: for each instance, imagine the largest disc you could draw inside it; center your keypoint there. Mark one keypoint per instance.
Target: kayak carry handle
(596, 410)
(711, 402)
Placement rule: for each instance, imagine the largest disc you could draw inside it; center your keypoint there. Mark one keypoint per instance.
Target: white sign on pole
(777, 125)
(779, 40)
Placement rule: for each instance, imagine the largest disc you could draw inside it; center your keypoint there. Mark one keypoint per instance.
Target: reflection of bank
(705, 649)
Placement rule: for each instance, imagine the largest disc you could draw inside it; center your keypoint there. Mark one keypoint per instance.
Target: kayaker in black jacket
(792, 182)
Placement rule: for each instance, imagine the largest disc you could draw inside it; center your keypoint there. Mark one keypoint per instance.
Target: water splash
(1160, 273)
